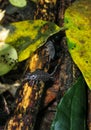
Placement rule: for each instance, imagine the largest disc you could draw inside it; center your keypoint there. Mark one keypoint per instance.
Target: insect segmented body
(50, 49)
(36, 76)
(50, 44)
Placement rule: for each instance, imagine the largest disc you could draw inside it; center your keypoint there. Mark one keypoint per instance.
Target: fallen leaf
(28, 36)
(78, 22)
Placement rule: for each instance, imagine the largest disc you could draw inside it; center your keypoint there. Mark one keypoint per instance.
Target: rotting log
(48, 10)
(29, 97)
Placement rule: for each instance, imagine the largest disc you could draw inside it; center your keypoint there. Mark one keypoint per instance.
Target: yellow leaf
(27, 36)
(78, 21)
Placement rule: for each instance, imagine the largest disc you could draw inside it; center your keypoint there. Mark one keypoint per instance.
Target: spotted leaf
(28, 36)
(8, 58)
(78, 21)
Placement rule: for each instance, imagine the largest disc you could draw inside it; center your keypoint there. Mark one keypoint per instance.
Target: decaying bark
(46, 10)
(62, 6)
(29, 97)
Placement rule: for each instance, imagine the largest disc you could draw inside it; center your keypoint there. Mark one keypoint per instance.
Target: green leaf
(8, 58)
(18, 3)
(71, 111)
(78, 21)
(27, 36)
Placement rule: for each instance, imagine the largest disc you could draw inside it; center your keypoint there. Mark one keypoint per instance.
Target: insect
(36, 76)
(50, 49)
(50, 44)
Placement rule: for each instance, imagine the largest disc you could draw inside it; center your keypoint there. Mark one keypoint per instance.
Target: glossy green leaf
(78, 21)
(18, 3)
(8, 58)
(71, 111)
(27, 36)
